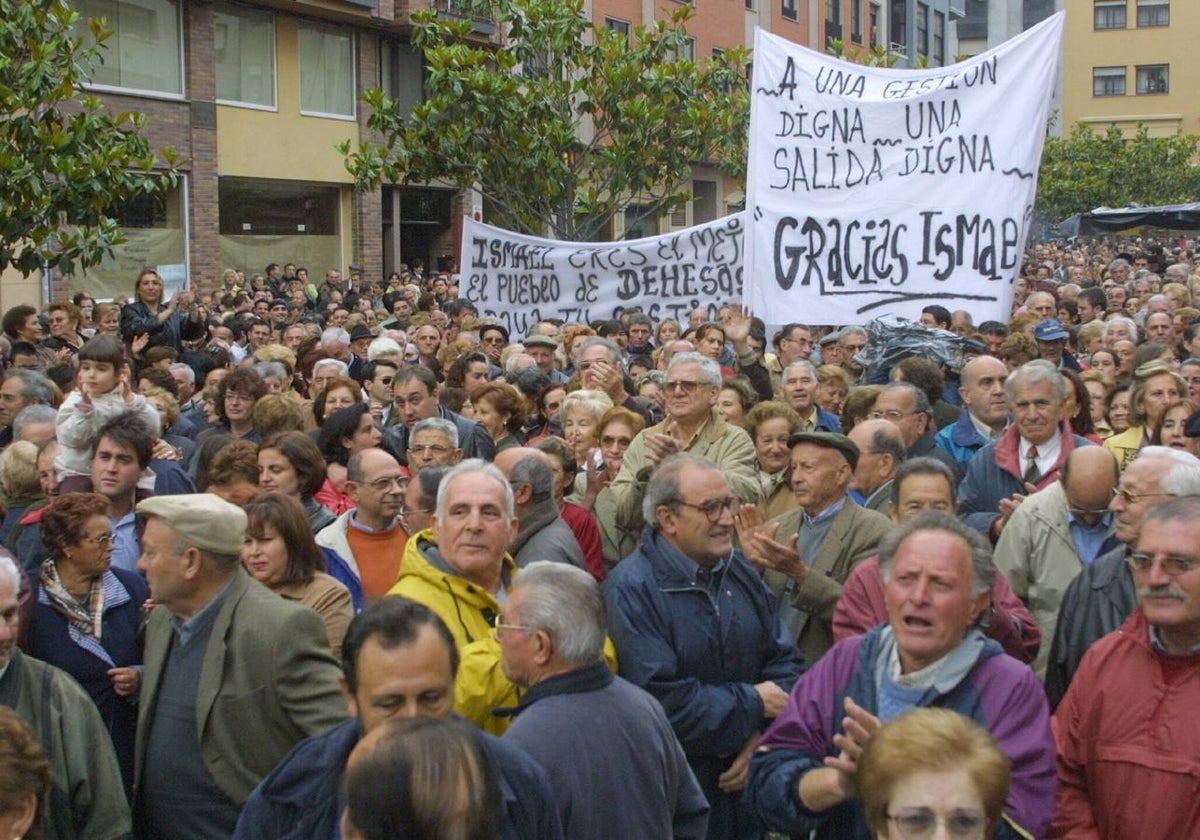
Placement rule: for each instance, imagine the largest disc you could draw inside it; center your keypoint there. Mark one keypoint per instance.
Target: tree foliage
(567, 123)
(64, 160)
(1087, 169)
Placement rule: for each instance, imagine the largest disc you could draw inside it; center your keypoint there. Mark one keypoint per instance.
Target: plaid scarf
(88, 619)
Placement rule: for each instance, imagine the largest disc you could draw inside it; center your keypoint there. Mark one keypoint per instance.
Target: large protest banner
(521, 279)
(879, 191)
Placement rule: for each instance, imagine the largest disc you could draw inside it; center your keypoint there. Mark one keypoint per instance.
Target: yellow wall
(1085, 47)
(282, 144)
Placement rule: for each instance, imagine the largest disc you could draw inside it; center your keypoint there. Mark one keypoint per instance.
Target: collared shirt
(185, 630)
(985, 431)
(367, 528)
(1088, 539)
(707, 579)
(809, 423)
(125, 542)
(1047, 453)
(1155, 640)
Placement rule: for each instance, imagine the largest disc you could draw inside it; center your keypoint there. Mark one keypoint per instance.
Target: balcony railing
(478, 12)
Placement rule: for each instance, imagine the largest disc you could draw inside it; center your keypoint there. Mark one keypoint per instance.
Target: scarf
(86, 617)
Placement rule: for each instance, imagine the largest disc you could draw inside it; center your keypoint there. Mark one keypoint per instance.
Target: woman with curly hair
(344, 433)
(497, 407)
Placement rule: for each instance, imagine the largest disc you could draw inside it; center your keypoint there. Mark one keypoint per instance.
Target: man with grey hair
(851, 342)
(1098, 601)
(22, 388)
(324, 371)
(35, 423)
(694, 624)
(215, 638)
(692, 425)
(907, 406)
(880, 453)
(86, 797)
(542, 534)
(798, 388)
(937, 575)
(461, 569)
(433, 442)
(1027, 457)
(599, 363)
(551, 633)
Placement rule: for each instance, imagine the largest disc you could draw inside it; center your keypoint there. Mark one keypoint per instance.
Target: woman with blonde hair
(1155, 386)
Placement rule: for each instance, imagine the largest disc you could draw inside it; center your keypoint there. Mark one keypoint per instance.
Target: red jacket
(862, 606)
(1128, 744)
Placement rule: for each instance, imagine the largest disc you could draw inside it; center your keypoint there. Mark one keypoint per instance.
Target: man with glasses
(694, 625)
(692, 425)
(1104, 594)
(1058, 531)
(793, 343)
(808, 552)
(907, 406)
(369, 536)
(433, 442)
(415, 398)
(493, 338)
(1126, 734)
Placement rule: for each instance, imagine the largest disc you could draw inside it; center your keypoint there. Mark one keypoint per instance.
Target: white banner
(521, 279)
(879, 191)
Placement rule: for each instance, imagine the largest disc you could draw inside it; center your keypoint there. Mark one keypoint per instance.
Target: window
(687, 50)
(1154, 78)
(856, 21)
(326, 71)
(788, 10)
(1108, 81)
(939, 39)
(621, 27)
(244, 48)
(1110, 14)
(750, 5)
(155, 231)
(145, 52)
(874, 26)
(1153, 13)
(898, 25)
(922, 29)
(402, 74)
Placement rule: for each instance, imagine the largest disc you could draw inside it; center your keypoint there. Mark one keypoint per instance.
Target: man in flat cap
(235, 676)
(809, 552)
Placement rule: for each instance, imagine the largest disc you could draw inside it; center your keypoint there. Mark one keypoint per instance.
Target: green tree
(567, 123)
(64, 160)
(1088, 169)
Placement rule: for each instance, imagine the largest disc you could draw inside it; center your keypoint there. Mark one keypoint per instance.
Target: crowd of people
(305, 559)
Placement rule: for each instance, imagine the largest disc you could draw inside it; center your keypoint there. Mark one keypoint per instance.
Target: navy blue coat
(700, 657)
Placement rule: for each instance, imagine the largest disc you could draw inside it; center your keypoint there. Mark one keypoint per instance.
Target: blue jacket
(961, 440)
(827, 421)
(700, 656)
(338, 569)
(300, 798)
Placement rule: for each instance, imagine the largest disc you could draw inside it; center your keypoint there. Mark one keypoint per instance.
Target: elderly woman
(618, 427)
(497, 407)
(107, 318)
(168, 323)
(344, 434)
(339, 392)
(21, 483)
(932, 767)
(280, 553)
(87, 615)
(769, 425)
(579, 419)
(937, 575)
(735, 398)
(1155, 386)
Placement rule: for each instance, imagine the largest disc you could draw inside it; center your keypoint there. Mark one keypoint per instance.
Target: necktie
(1032, 473)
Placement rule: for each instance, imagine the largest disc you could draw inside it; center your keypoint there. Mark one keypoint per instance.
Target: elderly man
(692, 425)
(793, 343)
(541, 348)
(369, 537)
(433, 442)
(798, 388)
(1027, 457)
(985, 415)
(938, 575)
(460, 569)
(87, 799)
(851, 342)
(542, 534)
(908, 407)
(1051, 337)
(20, 389)
(1042, 304)
(552, 637)
(880, 453)
(1103, 595)
(809, 552)
(1126, 735)
(695, 626)
(1058, 531)
(216, 639)
(926, 485)
(599, 363)
(398, 663)
(415, 391)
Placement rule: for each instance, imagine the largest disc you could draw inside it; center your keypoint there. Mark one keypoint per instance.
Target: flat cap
(540, 341)
(829, 440)
(206, 521)
(830, 338)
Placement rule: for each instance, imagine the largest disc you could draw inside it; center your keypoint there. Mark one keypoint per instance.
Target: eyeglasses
(495, 339)
(892, 414)
(1078, 511)
(687, 386)
(608, 440)
(1132, 498)
(713, 508)
(499, 627)
(920, 823)
(387, 482)
(1173, 564)
(104, 540)
(428, 448)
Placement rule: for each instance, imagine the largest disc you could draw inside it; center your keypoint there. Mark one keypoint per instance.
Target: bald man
(542, 533)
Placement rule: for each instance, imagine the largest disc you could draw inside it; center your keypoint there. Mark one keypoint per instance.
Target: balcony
(478, 12)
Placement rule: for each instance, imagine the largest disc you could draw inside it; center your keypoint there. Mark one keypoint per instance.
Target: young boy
(102, 392)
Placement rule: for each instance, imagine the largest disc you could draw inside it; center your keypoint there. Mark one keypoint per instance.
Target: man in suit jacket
(810, 551)
(235, 676)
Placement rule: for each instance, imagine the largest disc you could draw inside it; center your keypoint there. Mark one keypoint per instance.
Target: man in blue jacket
(398, 661)
(695, 626)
